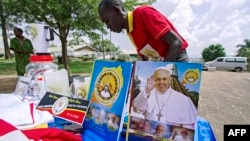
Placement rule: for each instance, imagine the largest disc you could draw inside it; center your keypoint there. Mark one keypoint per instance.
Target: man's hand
(150, 84)
(161, 59)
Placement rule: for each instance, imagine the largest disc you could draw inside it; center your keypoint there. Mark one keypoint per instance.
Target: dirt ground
(7, 83)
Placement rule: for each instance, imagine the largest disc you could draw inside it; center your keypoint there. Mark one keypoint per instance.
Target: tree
(212, 52)
(123, 57)
(129, 4)
(65, 16)
(81, 15)
(244, 49)
(5, 14)
(76, 39)
(104, 46)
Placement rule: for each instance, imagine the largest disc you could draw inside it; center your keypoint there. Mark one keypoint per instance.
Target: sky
(201, 23)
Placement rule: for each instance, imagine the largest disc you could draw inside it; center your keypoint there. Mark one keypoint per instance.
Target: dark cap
(19, 29)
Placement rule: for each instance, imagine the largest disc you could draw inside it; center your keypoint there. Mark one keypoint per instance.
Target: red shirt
(146, 27)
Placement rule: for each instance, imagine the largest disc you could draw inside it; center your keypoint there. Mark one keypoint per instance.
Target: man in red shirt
(153, 35)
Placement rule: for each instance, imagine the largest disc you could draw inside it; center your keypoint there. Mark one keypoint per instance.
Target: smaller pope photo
(159, 100)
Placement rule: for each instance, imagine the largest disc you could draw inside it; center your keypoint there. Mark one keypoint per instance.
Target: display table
(203, 132)
(203, 129)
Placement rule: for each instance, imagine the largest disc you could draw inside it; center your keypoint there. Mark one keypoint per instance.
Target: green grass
(8, 67)
(79, 67)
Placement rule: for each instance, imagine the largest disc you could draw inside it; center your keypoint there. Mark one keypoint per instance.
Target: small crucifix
(159, 116)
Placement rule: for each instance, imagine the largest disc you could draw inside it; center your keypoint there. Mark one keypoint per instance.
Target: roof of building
(131, 51)
(71, 48)
(79, 47)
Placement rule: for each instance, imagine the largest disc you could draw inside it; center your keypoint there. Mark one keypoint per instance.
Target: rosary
(159, 115)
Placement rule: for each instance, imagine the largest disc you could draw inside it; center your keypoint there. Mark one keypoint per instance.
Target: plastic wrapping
(35, 71)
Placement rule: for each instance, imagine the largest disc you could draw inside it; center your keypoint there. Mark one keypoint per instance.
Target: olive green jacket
(22, 53)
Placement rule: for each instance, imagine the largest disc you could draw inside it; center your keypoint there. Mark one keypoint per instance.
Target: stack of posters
(64, 107)
(164, 100)
(108, 91)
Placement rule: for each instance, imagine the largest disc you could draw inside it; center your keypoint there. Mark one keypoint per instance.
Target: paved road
(224, 99)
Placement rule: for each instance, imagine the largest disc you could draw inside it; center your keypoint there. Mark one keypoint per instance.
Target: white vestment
(105, 94)
(111, 124)
(175, 108)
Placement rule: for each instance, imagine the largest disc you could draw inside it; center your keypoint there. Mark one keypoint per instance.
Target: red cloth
(149, 25)
(32, 111)
(9, 132)
(5, 127)
(51, 134)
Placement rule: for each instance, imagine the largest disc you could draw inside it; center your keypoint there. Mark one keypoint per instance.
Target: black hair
(110, 4)
(19, 29)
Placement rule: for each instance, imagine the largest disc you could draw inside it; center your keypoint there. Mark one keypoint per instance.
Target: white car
(236, 64)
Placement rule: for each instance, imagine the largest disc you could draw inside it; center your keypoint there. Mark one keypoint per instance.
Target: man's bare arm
(175, 44)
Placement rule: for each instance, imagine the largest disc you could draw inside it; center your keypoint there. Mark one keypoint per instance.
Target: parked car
(236, 64)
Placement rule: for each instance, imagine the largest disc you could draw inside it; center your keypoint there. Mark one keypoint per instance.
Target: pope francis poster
(164, 94)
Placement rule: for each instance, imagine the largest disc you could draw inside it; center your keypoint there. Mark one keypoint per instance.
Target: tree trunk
(4, 34)
(5, 42)
(65, 54)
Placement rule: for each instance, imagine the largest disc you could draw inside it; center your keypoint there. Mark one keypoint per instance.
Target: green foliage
(212, 52)
(123, 58)
(65, 16)
(104, 45)
(76, 39)
(6, 21)
(244, 49)
(87, 58)
(10, 12)
(130, 4)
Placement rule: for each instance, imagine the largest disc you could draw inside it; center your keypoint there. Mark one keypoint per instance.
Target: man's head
(147, 127)
(106, 88)
(160, 130)
(113, 118)
(18, 32)
(161, 79)
(113, 15)
(101, 115)
(184, 133)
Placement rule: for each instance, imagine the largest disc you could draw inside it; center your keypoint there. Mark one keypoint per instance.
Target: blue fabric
(203, 130)
(59, 123)
(90, 136)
